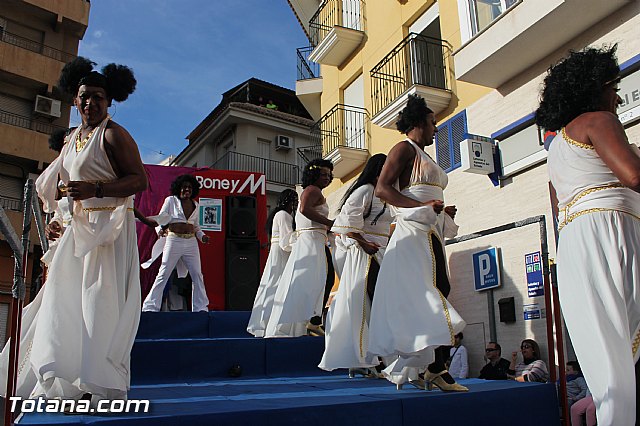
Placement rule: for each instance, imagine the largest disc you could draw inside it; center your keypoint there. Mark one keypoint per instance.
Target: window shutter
(450, 134)
(443, 155)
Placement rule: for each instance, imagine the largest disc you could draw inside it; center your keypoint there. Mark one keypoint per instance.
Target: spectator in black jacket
(496, 368)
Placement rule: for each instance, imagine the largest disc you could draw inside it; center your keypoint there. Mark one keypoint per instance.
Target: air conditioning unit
(47, 106)
(283, 142)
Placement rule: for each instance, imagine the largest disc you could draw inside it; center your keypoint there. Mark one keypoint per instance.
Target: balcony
(276, 172)
(27, 123)
(524, 34)
(344, 136)
(418, 65)
(25, 137)
(36, 47)
(336, 31)
(309, 82)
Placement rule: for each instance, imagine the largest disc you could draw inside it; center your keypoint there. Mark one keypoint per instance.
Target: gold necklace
(80, 143)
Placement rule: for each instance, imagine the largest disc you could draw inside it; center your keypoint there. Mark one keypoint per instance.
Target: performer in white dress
(79, 340)
(280, 225)
(363, 226)
(304, 287)
(179, 221)
(596, 176)
(411, 318)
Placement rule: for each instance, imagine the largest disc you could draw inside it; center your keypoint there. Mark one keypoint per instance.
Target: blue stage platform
(180, 363)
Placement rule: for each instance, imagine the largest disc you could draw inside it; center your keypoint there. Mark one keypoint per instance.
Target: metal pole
(560, 341)
(18, 290)
(493, 334)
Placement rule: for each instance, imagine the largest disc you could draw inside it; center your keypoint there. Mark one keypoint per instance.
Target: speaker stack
(242, 252)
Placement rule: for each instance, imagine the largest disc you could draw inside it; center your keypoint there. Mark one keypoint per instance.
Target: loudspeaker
(507, 308)
(242, 274)
(241, 217)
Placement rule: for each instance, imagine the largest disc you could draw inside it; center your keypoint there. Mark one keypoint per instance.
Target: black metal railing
(9, 203)
(36, 47)
(417, 60)
(274, 171)
(343, 126)
(27, 123)
(308, 153)
(331, 13)
(307, 69)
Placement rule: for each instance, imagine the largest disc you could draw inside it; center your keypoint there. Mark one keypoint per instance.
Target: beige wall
(481, 205)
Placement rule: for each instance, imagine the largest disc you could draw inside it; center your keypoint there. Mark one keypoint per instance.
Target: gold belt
(362, 231)
(103, 209)
(568, 218)
(185, 236)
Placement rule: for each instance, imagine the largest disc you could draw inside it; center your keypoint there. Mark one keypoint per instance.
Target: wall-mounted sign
(629, 87)
(531, 312)
(476, 153)
(486, 269)
(210, 214)
(535, 281)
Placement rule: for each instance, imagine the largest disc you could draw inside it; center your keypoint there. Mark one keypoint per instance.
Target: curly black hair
(311, 171)
(117, 80)
(412, 115)
(575, 86)
(371, 171)
(56, 139)
(285, 198)
(176, 185)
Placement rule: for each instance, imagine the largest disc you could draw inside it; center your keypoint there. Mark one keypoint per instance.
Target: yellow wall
(387, 24)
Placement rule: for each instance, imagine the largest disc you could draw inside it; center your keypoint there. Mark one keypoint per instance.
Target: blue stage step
(180, 363)
(334, 401)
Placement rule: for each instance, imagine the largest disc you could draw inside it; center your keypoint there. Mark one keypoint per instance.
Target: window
(450, 134)
(264, 148)
(476, 15)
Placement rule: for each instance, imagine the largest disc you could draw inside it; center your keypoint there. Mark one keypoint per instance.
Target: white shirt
(171, 212)
(459, 368)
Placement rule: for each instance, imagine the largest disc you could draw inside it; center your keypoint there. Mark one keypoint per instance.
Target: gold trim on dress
(425, 184)
(635, 343)
(570, 217)
(364, 306)
(575, 142)
(362, 230)
(103, 209)
(442, 298)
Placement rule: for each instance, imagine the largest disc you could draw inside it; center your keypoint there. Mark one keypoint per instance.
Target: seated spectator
(532, 368)
(271, 105)
(576, 385)
(496, 368)
(584, 407)
(458, 362)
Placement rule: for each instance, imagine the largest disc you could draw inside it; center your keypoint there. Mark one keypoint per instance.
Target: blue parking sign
(486, 270)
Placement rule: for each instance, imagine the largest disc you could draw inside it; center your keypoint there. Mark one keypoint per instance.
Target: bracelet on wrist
(99, 189)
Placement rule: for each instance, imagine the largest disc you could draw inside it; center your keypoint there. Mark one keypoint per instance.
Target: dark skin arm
(604, 131)
(142, 218)
(124, 157)
(398, 168)
(368, 247)
(312, 197)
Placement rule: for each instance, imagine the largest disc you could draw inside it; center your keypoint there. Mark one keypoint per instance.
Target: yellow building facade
(479, 64)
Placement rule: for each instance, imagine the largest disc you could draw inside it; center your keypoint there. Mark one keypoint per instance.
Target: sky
(185, 54)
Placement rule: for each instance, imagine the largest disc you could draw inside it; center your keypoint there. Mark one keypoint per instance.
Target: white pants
(175, 249)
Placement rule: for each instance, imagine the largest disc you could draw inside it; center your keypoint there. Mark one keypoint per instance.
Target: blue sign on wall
(486, 271)
(535, 282)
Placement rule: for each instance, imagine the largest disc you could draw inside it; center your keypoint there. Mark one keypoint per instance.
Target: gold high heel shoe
(418, 383)
(435, 379)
